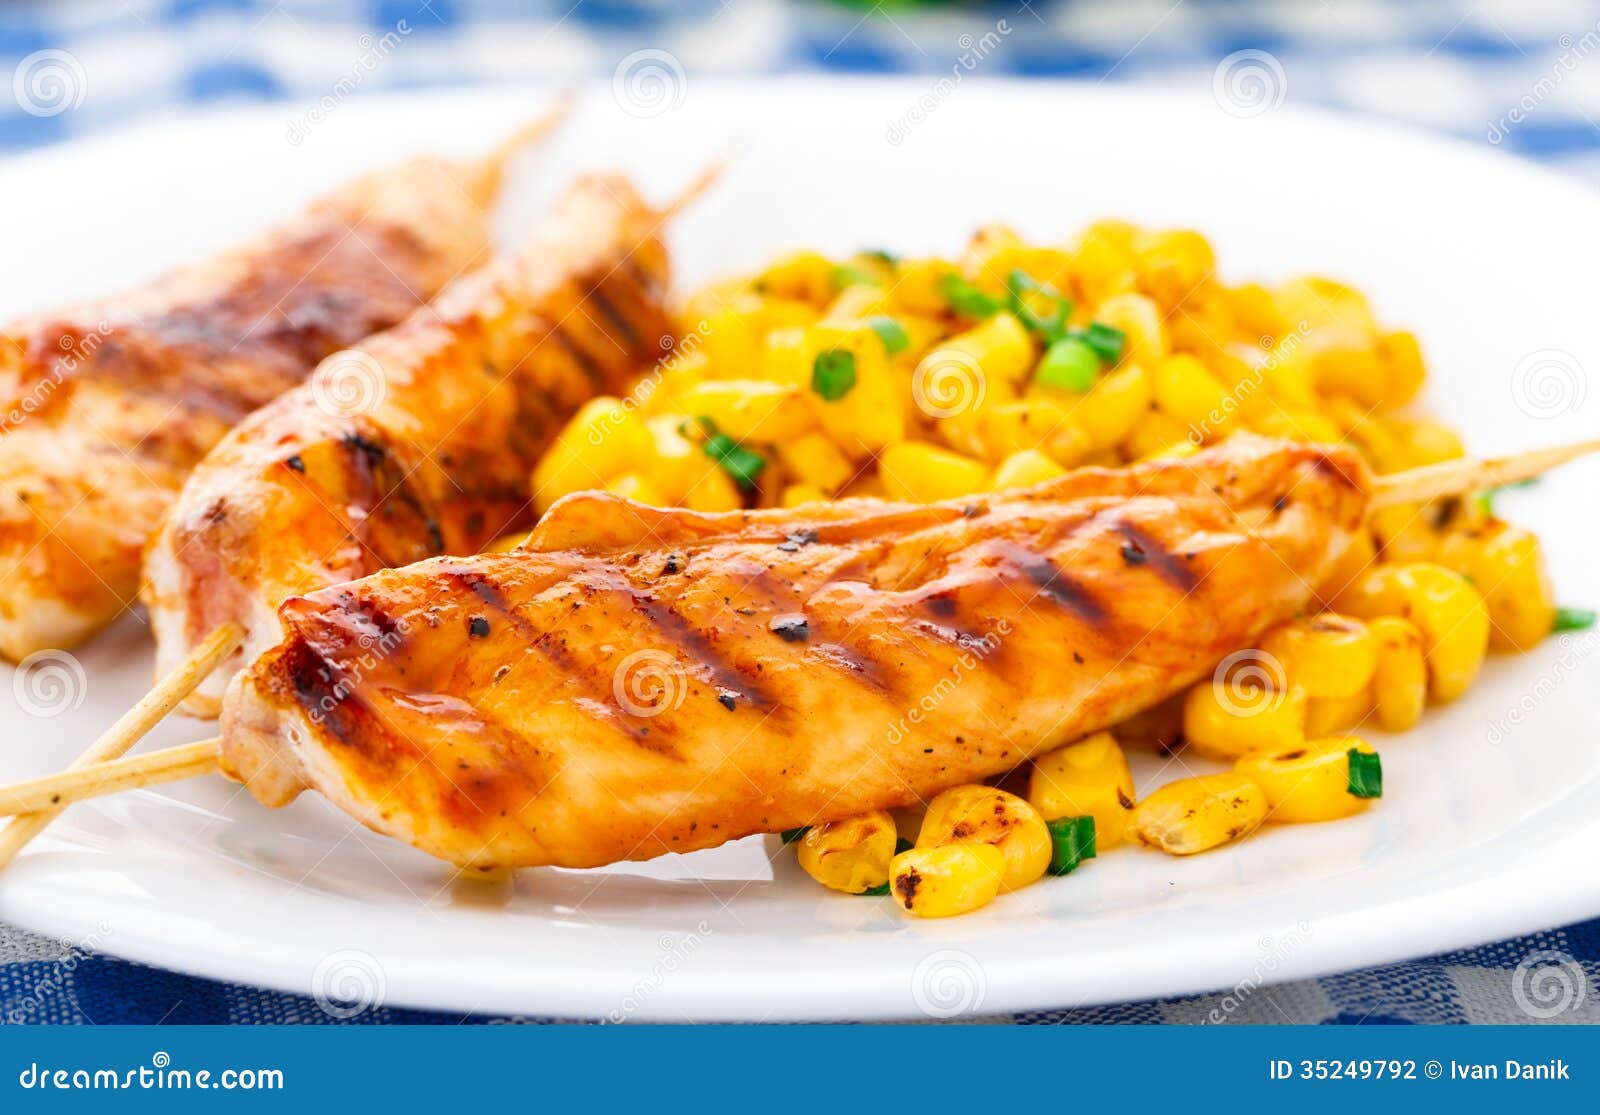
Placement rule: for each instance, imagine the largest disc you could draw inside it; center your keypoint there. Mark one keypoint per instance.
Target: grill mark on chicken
(730, 675)
(1167, 565)
(618, 320)
(1018, 562)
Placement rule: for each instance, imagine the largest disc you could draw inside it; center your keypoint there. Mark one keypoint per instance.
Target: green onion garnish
(966, 299)
(1573, 619)
(833, 374)
(1069, 364)
(881, 888)
(889, 259)
(1106, 340)
(789, 836)
(1071, 842)
(1366, 774)
(1486, 501)
(1025, 292)
(846, 275)
(891, 333)
(744, 465)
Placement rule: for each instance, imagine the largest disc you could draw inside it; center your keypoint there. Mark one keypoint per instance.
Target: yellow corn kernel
(1336, 315)
(865, 485)
(1327, 715)
(1449, 612)
(806, 276)
(871, 414)
(1296, 425)
(632, 485)
(786, 357)
(917, 286)
(1173, 264)
(922, 473)
(1427, 442)
(1355, 372)
(1108, 412)
(1196, 814)
(1024, 469)
(1000, 345)
(1184, 389)
(1155, 435)
(715, 490)
(1507, 565)
(1403, 369)
(798, 495)
(732, 335)
(1140, 320)
(1327, 655)
(851, 855)
(1008, 428)
(1248, 706)
(1103, 262)
(750, 409)
(948, 880)
(674, 464)
(1356, 559)
(815, 460)
(1308, 783)
(1400, 683)
(1256, 314)
(857, 301)
(1404, 532)
(605, 438)
(950, 388)
(979, 814)
(1378, 441)
(1089, 778)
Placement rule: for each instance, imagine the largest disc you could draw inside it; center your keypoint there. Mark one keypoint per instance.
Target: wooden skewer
(695, 190)
(92, 775)
(484, 174)
(1449, 478)
(132, 727)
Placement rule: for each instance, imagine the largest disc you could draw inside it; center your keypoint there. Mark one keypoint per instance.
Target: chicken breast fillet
(638, 681)
(108, 406)
(424, 438)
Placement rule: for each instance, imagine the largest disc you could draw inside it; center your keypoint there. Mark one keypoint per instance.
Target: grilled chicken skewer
(448, 413)
(106, 407)
(486, 711)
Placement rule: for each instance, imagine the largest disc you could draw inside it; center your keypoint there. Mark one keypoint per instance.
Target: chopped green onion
(1573, 619)
(1106, 340)
(833, 374)
(881, 888)
(1024, 289)
(888, 259)
(744, 465)
(846, 275)
(1366, 774)
(891, 333)
(1071, 842)
(966, 299)
(1486, 501)
(1069, 364)
(789, 836)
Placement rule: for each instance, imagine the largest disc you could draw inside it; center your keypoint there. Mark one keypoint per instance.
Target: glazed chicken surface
(636, 681)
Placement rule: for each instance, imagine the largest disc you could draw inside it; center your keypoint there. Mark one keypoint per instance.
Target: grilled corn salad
(925, 379)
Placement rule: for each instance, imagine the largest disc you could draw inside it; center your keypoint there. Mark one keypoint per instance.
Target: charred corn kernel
(1089, 778)
(605, 438)
(1403, 369)
(1507, 565)
(715, 490)
(1141, 322)
(922, 473)
(632, 485)
(1183, 389)
(1103, 262)
(917, 286)
(851, 855)
(1157, 434)
(1355, 372)
(871, 413)
(1327, 715)
(1108, 412)
(984, 815)
(1008, 428)
(1400, 683)
(1327, 655)
(750, 409)
(1308, 783)
(813, 459)
(999, 345)
(1247, 707)
(806, 276)
(947, 880)
(798, 495)
(1449, 612)
(1173, 264)
(1196, 814)
(1023, 469)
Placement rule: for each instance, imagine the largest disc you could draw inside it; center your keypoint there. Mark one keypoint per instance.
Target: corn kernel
(1197, 814)
(1141, 322)
(750, 409)
(1328, 715)
(798, 495)
(1507, 565)
(605, 438)
(1089, 778)
(715, 490)
(1157, 435)
(805, 276)
(1308, 783)
(852, 855)
(1327, 655)
(1403, 369)
(947, 880)
(632, 485)
(1173, 264)
(1184, 389)
(1011, 427)
(1108, 412)
(814, 460)
(1449, 612)
(1400, 683)
(1023, 469)
(921, 473)
(1247, 706)
(984, 815)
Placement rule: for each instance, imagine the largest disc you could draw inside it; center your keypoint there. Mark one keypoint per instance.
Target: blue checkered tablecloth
(1521, 74)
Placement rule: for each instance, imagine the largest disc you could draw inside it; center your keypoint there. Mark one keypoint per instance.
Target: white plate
(1493, 807)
